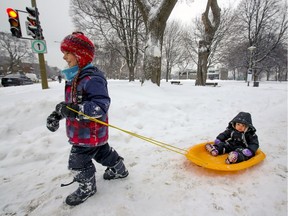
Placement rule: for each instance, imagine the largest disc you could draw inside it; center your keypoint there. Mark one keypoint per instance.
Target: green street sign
(39, 46)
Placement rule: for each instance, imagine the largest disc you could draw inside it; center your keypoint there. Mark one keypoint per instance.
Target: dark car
(15, 80)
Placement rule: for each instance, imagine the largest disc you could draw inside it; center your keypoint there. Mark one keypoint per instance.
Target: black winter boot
(85, 190)
(117, 171)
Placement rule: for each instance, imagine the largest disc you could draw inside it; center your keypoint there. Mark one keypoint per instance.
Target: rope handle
(155, 142)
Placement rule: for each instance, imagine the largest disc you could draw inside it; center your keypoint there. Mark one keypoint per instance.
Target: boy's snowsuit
(92, 96)
(88, 138)
(233, 140)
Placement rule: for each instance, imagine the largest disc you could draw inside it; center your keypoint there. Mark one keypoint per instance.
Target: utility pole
(41, 58)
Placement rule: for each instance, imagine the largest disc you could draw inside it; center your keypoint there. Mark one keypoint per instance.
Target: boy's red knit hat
(79, 45)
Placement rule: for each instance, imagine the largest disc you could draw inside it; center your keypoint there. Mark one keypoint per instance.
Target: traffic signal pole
(34, 29)
(41, 58)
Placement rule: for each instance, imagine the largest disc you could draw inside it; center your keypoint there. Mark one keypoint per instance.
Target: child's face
(240, 127)
(70, 58)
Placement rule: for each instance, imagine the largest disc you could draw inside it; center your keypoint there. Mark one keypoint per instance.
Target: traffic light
(32, 24)
(14, 21)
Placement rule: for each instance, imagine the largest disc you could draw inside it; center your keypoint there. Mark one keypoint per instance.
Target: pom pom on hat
(79, 45)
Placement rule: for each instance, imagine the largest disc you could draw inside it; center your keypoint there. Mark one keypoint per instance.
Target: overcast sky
(56, 21)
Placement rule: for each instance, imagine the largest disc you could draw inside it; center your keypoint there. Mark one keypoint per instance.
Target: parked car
(15, 80)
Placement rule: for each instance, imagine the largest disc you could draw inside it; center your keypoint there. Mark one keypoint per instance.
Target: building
(212, 74)
(188, 74)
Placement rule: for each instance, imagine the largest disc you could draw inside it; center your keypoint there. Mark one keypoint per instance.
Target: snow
(153, 47)
(161, 182)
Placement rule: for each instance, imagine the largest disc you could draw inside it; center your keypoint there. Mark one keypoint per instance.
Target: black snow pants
(80, 160)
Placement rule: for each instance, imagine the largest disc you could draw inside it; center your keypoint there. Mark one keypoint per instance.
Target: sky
(57, 23)
(33, 160)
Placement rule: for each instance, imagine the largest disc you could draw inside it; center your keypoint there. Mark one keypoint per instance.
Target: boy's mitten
(247, 152)
(62, 109)
(217, 141)
(52, 122)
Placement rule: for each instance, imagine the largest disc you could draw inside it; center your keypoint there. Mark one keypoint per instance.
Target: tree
(218, 44)
(275, 65)
(117, 24)
(235, 59)
(155, 15)
(263, 24)
(173, 49)
(15, 49)
(109, 61)
(204, 48)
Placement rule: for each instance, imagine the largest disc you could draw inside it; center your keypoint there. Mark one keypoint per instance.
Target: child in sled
(239, 140)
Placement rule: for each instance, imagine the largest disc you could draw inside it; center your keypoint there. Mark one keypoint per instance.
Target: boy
(85, 91)
(239, 140)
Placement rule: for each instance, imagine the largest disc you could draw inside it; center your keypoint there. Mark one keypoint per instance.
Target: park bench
(214, 84)
(175, 82)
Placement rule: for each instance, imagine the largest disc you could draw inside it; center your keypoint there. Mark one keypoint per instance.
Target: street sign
(39, 46)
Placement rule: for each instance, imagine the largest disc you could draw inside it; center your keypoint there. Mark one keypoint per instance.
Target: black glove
(62, 109)
(52, 122)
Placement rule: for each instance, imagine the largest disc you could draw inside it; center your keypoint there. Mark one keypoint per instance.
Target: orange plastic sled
(198, 155)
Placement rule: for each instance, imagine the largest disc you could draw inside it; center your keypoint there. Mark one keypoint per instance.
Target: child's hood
(244, 118)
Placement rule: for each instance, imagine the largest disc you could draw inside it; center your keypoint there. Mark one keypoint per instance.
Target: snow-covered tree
(115, 26)
(204, 48)
(15, 49)
(155, 15)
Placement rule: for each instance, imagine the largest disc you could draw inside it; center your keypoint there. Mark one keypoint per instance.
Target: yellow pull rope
(155, 142)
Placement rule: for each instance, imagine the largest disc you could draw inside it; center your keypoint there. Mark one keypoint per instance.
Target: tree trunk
(168, 71)
(155, 23)
(203, 54)
(152, 57)
(131, 73)
(205, 44)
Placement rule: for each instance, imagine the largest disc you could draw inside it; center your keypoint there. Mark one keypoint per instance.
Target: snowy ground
(33, 161)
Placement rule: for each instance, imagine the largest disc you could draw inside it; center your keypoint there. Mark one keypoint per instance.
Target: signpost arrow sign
(39, 46)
